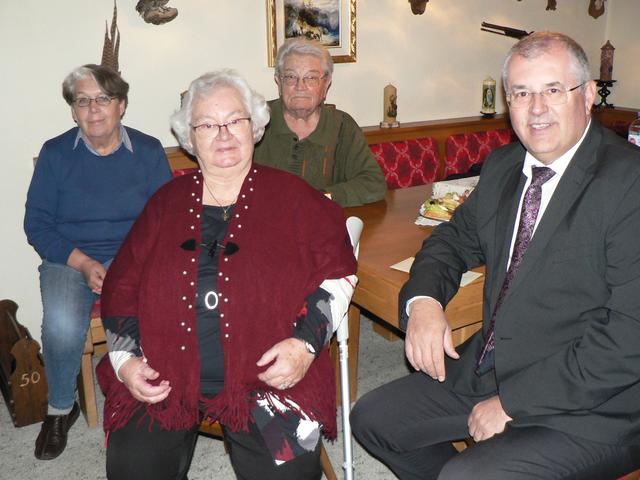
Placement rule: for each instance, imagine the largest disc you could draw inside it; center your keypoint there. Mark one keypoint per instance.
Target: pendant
(225, 215)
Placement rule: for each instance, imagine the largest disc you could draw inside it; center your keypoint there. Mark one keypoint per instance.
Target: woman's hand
(94, 273)
(135, 373)
(92, 270)
(291, 360)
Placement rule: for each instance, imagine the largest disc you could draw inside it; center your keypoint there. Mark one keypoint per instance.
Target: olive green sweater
(335, 158)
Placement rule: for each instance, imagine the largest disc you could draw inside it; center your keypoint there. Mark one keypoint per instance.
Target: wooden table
(390, 236)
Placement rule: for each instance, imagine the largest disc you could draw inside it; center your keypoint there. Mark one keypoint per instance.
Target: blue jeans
(67, 301)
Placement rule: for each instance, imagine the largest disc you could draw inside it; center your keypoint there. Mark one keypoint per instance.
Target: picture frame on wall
(332, 22)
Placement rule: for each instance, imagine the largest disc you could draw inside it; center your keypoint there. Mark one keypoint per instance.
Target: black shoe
(52, 439)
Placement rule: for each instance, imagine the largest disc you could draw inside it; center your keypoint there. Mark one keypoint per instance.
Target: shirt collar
(279, 126)
(124, 140)
(560, 164)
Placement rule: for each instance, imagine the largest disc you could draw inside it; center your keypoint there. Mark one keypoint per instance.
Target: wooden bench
(440, 131)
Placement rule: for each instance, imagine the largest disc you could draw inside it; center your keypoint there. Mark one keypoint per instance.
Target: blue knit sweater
(81, 200)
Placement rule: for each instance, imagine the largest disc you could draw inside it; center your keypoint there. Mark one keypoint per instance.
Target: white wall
(437, 61)
(623, 33)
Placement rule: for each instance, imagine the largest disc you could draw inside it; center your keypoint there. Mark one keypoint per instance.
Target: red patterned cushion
(462, 150)
(408, 162)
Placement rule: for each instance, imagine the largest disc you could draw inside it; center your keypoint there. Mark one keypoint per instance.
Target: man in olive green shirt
(320, 143)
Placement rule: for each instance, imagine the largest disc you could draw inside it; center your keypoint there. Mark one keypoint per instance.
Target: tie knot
(541, 175)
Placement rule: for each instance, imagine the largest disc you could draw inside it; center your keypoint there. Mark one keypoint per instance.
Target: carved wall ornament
(418, 6)
(156, 11)
(596, 8)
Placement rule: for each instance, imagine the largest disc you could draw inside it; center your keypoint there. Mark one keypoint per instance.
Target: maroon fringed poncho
(290, 239)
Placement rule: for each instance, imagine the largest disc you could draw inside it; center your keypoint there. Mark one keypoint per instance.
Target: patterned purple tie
(528, 216)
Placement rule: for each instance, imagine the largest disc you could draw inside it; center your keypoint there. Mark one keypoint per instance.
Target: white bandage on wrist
(117, 359)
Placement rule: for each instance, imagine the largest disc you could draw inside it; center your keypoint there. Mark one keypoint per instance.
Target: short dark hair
(109, 81)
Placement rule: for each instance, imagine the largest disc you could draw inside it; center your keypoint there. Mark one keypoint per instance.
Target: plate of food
(443, 207)
(445, 197)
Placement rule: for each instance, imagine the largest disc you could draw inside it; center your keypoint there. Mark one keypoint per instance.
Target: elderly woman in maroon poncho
(220, 302)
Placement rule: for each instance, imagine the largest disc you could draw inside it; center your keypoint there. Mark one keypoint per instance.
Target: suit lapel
(575, 179)
(505, 221)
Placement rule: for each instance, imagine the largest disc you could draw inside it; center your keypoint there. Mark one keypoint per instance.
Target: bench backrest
(406, 163)
(463, 150)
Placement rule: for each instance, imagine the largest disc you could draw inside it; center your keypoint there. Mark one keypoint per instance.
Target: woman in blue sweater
(88, 187)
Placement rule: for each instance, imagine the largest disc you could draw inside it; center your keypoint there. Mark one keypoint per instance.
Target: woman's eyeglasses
(102, 100)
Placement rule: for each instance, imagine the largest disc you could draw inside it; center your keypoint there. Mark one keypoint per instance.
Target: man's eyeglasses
(551, 96)
(102, 100)
(211, 130)
(310, 81)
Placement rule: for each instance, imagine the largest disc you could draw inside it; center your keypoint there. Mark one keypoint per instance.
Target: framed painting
(332, 22)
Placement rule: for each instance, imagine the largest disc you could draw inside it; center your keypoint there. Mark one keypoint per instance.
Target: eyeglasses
(102, 100)
(309, 81)
(211, 130)
(551, 96)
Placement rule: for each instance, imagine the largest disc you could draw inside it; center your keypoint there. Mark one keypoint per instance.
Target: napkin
(405, 266)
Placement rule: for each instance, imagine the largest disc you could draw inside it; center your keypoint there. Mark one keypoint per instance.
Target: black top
(213, 230)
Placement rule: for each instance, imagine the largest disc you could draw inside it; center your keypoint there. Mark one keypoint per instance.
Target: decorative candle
(488, 96)
(390, 106)
(606, 62)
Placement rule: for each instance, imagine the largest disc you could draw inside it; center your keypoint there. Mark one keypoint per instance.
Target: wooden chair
(95, 344)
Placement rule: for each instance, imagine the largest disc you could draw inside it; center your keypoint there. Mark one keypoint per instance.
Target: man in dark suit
(550, 388)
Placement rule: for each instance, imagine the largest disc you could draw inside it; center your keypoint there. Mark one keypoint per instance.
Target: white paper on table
(427, 222)
(459, 186)
(405, 266)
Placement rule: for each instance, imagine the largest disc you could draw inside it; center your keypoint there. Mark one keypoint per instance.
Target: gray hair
(109, 81)
(207, 84)
(539, 43)
(303, 46)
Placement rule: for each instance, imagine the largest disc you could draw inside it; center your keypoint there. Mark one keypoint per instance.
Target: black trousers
(135, 452)
(409, 424)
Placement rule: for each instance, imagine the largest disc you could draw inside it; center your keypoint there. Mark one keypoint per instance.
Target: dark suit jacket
(568, 333)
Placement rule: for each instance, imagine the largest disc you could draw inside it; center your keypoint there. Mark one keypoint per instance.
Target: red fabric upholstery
(178, 172)
(95, 311)
(462, 150)
(621, 127)
(408, 162)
